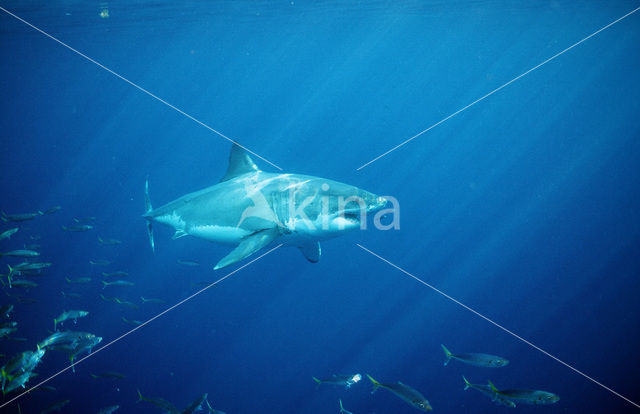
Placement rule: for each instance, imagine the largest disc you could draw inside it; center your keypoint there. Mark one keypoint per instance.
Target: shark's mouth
(352, 216)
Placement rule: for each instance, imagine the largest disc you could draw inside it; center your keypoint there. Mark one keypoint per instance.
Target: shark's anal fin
(239, 163)
(248, 246)
(178, 234)
(311, 251)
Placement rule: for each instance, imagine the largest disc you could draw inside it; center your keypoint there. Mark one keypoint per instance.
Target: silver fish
(404, 392)
(478, 360)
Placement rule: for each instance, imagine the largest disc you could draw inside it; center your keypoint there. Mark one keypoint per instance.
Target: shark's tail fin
(148, 209)
(447, 354)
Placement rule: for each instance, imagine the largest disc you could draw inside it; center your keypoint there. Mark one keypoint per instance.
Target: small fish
(117, 283)
(56, 406)
(404, 392)
(18, 382)
(71, 314)
(342, 410)
(8, 233)
(131, 322)
(109, 410)
(160, 403)
(20, 363)
(345, 380)
(32, 359)
(127, 303)
(110, 299)
(52, 210)
(533, 397)
(20, 217)
(84, 219)
(85, 345)
(100, 262)
(119, 273)
(18, 339)
(151, 300)
(478, 360)
(71, 295)
(78, 228)
(65, 337)
(28, 267)
(118, 301)
(21, 253)
(33, 273)
(15, 364)
(8, 324)
(78, 280)
(108, 242)
(188, 262)
(47, 388)
(5, 310)
(488, 391)
(7, 331)
(109, 375)
(26, 301)
(23, 283)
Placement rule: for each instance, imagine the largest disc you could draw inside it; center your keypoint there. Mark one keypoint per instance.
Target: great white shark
(252, 209)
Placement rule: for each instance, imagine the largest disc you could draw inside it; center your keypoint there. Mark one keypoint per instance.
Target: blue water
(525, 207)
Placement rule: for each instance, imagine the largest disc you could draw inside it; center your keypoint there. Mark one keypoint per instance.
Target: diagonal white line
(140, 88)
(496, 90)
(496, 324)
(139, 326)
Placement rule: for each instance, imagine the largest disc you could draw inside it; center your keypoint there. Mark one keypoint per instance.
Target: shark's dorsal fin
(239, 163)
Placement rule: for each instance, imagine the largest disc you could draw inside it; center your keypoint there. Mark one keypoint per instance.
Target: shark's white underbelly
(231, 235)
(219, 234)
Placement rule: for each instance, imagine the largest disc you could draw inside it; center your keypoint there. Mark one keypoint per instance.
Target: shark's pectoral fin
(311, 251)
(248, 246)
(178, 234)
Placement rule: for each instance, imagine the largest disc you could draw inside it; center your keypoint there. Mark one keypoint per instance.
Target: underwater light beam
(140, 88)
(138, 327)
(384, 154)
(497, 324)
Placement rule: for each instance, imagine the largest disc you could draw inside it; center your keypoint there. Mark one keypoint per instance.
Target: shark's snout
(381, 202)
